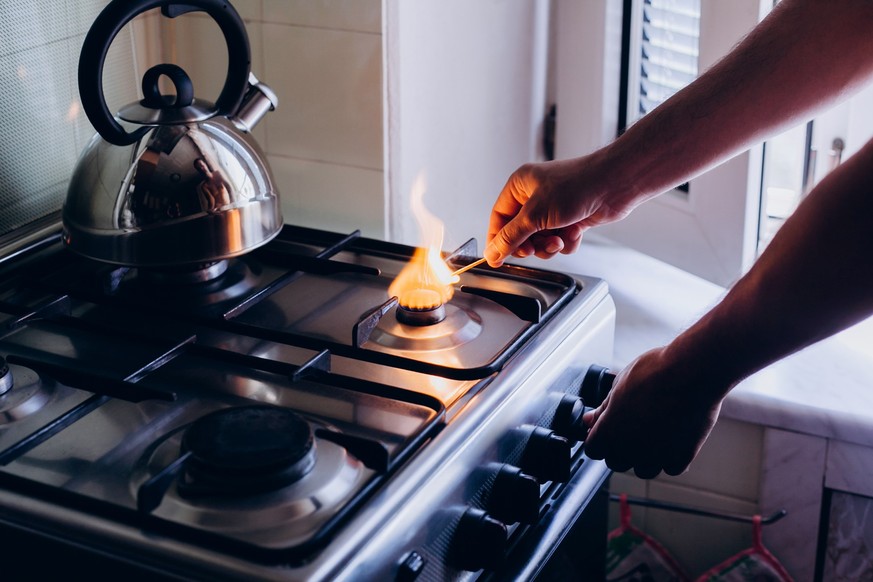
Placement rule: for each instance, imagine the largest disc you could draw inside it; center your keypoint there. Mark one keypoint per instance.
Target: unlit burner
(185, 275)
(245, 450)
(421, 307)
(21, 393)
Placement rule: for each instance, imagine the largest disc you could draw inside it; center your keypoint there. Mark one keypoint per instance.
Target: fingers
(628, 448)
(508, 239)
(544, 244)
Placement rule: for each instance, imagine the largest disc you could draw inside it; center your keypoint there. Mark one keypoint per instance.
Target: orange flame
(426, 281)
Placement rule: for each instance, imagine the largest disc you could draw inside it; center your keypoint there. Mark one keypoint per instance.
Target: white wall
(462, 99)
(323, 58)
(465, 96)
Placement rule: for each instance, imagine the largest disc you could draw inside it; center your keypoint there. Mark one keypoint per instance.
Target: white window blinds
(668, 49)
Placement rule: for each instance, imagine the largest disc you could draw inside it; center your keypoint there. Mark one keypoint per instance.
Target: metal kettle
(188, 184)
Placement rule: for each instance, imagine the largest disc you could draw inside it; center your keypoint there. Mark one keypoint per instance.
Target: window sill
(824, 390)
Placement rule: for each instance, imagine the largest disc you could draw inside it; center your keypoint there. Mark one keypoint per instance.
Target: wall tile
(849, 468)
(249, 9)
(81, 14)
(329, 84)
(792, 479)
(358, 15)
(729, 462)
(320, 195)
(40, 113)
(200, 49)
(28, 24)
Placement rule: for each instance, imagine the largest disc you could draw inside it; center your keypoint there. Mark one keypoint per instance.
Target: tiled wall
(44, 127)
(323, 58)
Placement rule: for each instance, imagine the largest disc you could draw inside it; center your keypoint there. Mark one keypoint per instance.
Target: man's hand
(544, 208)
(655, 419)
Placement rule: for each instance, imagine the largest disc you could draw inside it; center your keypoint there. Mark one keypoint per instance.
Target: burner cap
(426, 316)
(248, 449)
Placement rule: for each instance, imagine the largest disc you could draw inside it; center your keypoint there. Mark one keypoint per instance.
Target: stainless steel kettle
(188, 184)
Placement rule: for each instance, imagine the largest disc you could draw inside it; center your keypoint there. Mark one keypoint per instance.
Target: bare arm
(814, 279)
(805, 55)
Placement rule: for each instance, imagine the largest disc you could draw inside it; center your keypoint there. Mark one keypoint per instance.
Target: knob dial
(596, 384)
(568, 418)
(547, 456)
(514, 496)
(478, 542)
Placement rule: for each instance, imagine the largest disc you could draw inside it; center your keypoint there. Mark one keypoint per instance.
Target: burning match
(468, 267)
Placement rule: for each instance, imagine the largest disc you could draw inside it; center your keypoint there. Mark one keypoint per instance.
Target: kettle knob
(116, 16)
(181, 82)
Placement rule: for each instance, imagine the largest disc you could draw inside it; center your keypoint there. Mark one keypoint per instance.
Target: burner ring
(248, 449)
(426, 316)
(22, 393)
(186, 274)
(459, 327)
(6, 380)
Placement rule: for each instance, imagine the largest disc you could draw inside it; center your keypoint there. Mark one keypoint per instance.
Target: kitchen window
(664, 38)
(716, 225)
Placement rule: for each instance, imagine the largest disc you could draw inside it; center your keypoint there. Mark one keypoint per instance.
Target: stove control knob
(479, 541)
(514, 496)
(596, 384)
(568, 419)
(547, 456)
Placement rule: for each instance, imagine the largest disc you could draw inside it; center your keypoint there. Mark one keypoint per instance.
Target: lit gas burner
(423, 288)
(421, 315)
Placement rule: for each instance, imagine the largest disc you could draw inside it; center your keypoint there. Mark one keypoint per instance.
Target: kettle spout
(258, 101)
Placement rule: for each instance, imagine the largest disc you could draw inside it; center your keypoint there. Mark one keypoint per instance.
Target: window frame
(712, 230)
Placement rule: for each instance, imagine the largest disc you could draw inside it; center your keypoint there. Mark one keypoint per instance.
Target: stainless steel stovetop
(270, 417)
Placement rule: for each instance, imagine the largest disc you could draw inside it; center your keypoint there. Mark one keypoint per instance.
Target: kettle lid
(111, 20)
(158, 109)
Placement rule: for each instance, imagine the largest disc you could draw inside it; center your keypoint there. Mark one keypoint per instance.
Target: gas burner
(21, 394)
(184, 275)
(456, 327)
(423, 316)
(318, 486)
(241, 451)
(196, 286)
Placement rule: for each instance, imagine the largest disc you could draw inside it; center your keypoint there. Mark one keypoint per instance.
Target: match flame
(426, 281)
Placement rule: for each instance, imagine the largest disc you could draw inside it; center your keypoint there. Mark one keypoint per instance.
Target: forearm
(805, 55)
(814, 279)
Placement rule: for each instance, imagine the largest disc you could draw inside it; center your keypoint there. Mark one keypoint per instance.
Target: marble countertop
(824, 390)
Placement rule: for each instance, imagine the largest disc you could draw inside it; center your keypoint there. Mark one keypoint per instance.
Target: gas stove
(279, 416)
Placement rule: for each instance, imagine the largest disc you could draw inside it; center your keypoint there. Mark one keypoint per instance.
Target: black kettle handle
(120, 12)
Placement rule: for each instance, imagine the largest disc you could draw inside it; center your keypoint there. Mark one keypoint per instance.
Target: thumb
(508, 239)
(589, 420)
